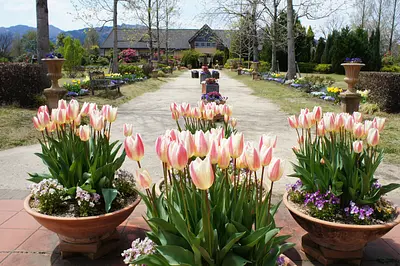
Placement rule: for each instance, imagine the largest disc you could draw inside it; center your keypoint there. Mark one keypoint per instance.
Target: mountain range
(54, 31)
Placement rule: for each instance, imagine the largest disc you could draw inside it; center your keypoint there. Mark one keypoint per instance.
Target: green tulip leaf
(176, 255)
(109, 195)
(232, 259)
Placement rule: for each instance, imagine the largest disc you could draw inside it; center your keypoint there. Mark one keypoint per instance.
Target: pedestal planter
(351, 99)
(331, 243)
(55, 92)
(93, 236)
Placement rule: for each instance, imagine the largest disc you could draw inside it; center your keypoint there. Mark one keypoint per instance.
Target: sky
(63, 15)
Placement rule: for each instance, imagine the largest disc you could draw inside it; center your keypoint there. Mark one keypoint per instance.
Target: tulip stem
(139, 164)
(209, 235)
(165, 178)
(256, 188)
(269, 202)
(183, 198)
(262, 183)
(152, 201)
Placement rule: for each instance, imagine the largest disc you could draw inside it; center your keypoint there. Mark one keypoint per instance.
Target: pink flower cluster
(201, 111)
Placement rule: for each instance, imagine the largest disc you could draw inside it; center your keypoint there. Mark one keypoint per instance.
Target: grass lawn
(291, 101)
(16, 128)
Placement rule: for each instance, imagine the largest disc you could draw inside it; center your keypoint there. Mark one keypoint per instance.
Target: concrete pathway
(150, 116)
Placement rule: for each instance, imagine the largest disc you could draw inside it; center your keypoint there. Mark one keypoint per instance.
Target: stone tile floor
(24, 242)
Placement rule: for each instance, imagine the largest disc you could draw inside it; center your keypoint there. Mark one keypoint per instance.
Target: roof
(178, 38)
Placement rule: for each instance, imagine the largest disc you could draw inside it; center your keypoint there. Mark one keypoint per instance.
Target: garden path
(150, 116)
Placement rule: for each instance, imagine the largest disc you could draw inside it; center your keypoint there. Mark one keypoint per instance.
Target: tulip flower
(105, 110)
(358, 130)
(175, 116)
(209, 114)
(236, 144)
(293, 122)
(373, 137)
(252, 157)
(268, 141)
(38, 124)
(43, 108)
(317, 113)
(143, 178)
(368, 124)
(329, 122)
(357, 117)
(349, 123)
(265, 155)
(226, 118)
(275, 169)
(77, 120)
(173, 134)
(173, 107)
(54, 115)
(358, 146)
(241, 162)
(96, 120)
(196, 113)
(162, 144)
(188, 141)
(84, 133)
(202, 173)
(305, 120)
(72, 110)
(304, 111)
(128, 129)
(61, 116)
(224, 158)
(85, 109)
(339, 121)
(227, 110)
(177, 155)
(213, 152)
(134, 147)
(184, 109)
(62, 104)
(201, 106)
(321, 129)
(379, 123)
(112, 114)
(201, 144)
(233, 122)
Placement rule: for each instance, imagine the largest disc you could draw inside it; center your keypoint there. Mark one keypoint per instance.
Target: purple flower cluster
(54, 55)
(294, 187)
(280, 261)
(319, 199)
(353, 60)
(363, 212)
(82, 196)
(377, 185)
(328, 98)
(139, 248)
(46, 186)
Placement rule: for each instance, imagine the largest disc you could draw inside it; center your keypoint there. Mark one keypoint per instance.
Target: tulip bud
(226, 118)
(233, 122)
(339, 121)
(305, 120)
(373, 137)
(175, 115)
(188, 141)
(317, 113)
(236, 144)
(201, 106)
(62, 104)
(227, 110)
(202, 173)
(85, 109)
(162, 144)
(72, 110)
(358, 146)
(128, 129)
(252, 157)
(379, 123)
(84, 133)
(275, 169)
(105, 110)
(268, 141)
(201, 144)
(358, 130)
(265, 155)
(96, 120)
(196, 113)
(368, 124)
(173, 134)
(349, 123)
(134, 147)
(209, 114)
(213, 152)
(321, 129)
(357, 117)
(173, 107)
(293, 121)
(241, 162)
(37, 124)
(177, 155)
(329, 122)
(62, 116)
(112, 114)
(224, 157)
(184, 109)
(143, 178)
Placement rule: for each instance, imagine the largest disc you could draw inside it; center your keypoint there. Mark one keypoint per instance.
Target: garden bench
(99, 81)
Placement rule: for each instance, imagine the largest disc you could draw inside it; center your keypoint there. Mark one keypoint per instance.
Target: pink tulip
(317, 113)
(226, 118)
(368, 124)
(85, 109)
(72, 110)
(213, 152)
(358, 130)
(177, 155)
(321, 129)
(379, 123)
(175, 116)
(188, 141)
(357, 117)
(62, 104)
(201, 106)
(162, 144)
(143, 178)
(349, 123)
(358, 146)
(184, 109)
(275, 169)
(201, 144)
(84, 133)
(305, 120)
(236, 144)
(268, 141)
(62, 116)
(202, 173)
(173, 134)
(54, 115)
(134, 147)
(37, 124)
(105, 109)
(128, 129)
(252, 157)
(329, 122)
(373, 137)
(241, 162)
(209, 114)
(173, 107)
(304, 111)
(43, 108)
(77, 120)
(196, 113)
(233, 122)
(300, 140)
(96, 120)
(224, 158)
(339, 121)
(265, 155)
(293, 121)
(227, 110)
(112, 114)
(51, 127)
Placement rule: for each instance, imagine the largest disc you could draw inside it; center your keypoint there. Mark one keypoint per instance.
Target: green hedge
(323, 68)
(264, 67)
(307, 67)
(384, 89)
(21, 83)
(392, 68)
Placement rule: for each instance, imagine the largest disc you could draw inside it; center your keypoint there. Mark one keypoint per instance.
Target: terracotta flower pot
(54, 68)
(334, 241)
(83, 233)
(352, 72)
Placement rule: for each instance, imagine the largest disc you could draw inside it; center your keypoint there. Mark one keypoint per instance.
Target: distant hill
(77, 34)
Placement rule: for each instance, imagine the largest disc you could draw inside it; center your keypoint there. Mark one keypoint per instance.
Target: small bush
(3, 60)
(384, 89)
(21, 83)
(391, 68)
(369, 108)
(232, 63)
(323, 68)
(264, 67)
(102, 61)
(161, 74)
(307, 67)
(131, 69)
(147, 69)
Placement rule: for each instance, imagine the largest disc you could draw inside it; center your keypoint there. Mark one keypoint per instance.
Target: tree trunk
(158, 30)
(42, 18)
(166, 31)
(115, 43)
(149, 30)
(274, 67)
(291, 73)
(379, 15)
(363, 13)
(393, 26)
(254, 32)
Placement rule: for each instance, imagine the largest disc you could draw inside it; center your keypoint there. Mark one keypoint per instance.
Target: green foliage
(369, 108)
(131, 69)
(264, 67)
(91, 39)
(319, 50)
(20, 83)
(384, 89)
(29, 42)
(3, 60)
(219, 57)
(161, 74)
(306, 67)
(391, 68)
(323, 68)
(73, 53)
(147, 69)
(190, 57)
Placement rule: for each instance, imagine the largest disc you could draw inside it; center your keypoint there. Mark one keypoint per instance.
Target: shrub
(323, 68)
(307, 67)
(147, 69)
(264, 67)
(20, 83)
(161, 74)
(129, 55)
(102, 61)
(369, 108)
(390, 68)
(384, 89)
(232, 63)
(3, 60)
(190, 57)
(131, 69)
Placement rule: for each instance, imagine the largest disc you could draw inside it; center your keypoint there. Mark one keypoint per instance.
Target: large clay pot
(335, 239)
(85, 233)
(352, 72)
(54, 68)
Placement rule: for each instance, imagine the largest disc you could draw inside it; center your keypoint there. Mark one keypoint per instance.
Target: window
(202, 44)
(208, 44)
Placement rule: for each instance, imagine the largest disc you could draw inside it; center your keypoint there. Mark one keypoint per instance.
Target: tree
(29, 42)
(291, 72)
(73, 53)
(42, 18)
(319, 51)
(393, 25)
(17, 47)
(171, 11)
(6, 40)
(91, 39)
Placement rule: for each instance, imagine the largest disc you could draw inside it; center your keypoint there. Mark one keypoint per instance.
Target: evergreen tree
(319, 51)
(73, 53)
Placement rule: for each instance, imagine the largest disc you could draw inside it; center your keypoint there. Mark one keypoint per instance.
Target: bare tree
(6, 40)
(42, 18)
(393, 25)
(171, 11)
(291, 72)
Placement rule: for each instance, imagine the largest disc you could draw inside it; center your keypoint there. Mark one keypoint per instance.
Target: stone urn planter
(93, 236)
(351, 99)
(55, 92)
(332, 243)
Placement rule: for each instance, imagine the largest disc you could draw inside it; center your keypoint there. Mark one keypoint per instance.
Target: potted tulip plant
(337, 194)
(81, 198)
(214, 210)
